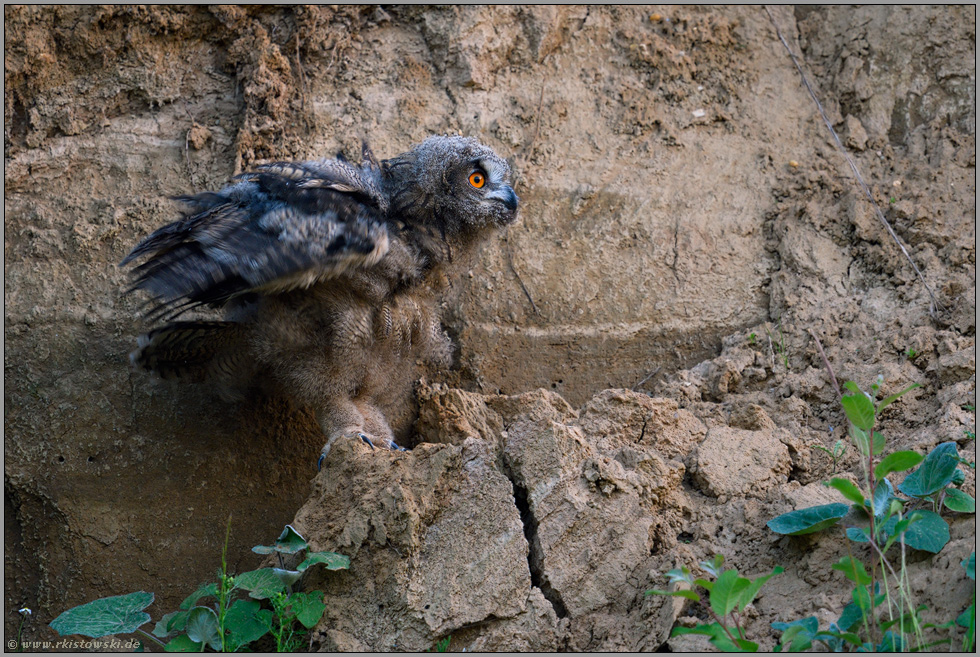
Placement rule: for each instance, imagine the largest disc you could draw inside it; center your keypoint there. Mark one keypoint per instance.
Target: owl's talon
(319, 461)
(363, 436)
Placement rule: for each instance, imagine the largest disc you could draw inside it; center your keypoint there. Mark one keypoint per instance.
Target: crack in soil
(535, 556)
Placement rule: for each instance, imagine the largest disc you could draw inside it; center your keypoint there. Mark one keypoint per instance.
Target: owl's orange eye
(477, 179)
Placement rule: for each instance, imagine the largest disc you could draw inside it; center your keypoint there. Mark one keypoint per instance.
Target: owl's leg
(377, 426)
(341, 419)
(354, 419)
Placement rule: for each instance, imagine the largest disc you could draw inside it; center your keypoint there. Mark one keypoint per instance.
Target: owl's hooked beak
(505, 195)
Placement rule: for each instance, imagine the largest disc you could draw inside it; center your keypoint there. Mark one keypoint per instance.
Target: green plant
(728, 595)
(839, 448)
(968, 619)
(801, 634)
(780, 347)
(878, 511)
(752, 339)
(442, 645)
(25, 613)
(233, 622)
(911, 353)
(880, 518)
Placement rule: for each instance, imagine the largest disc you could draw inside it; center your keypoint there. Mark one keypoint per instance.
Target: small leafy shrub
(876, 509)
(879, 618)
(728, 595)
(843, 635)
(231, 622)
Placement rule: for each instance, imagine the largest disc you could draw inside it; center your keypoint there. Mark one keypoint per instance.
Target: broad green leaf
(697, 629)
(897, 462)
(796, 638)
(798, 634)
(907, 622)
(810, 624)
(203, 591)
(681, 593)
(862, 599)
(681, 574)
(717, 635)
(724, 596)
(714, 566)
(894, 531)
(832, 639)
(884, 494)
(935, 473)
(748, 595)
(852, 638)
(808, 520)
(853, 387)
(890, 398)
(183, 643)
(859, 438)
(245, 622)
(891, 643)
(928, 532)
(849, 619)
(860, 410)
(706, 584)
(287, 577)
(745, 645)
(170, 624)
(848, 490)
(331, 560)
(854, 571)
(289, 542)
(307, 607)
(119, 614)
(957, 500)
(877, 443)
(858, 534)
(969, 616)
(202, 627)
(970, 563)
(260, 584)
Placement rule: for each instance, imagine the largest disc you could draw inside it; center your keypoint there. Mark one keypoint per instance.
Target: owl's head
(453, 184)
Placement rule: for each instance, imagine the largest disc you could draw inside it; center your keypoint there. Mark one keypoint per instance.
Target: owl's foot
(384, 442)
(387, 443)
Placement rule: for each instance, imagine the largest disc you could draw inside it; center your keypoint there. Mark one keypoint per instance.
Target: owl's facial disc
(490, 175)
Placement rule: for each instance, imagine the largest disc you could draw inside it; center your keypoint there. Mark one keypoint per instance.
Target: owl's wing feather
(285, 226)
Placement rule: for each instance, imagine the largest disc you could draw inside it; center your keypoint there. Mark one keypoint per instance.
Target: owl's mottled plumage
(328, 271)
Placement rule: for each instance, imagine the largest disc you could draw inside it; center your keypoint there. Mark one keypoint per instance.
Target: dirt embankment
(636, 386)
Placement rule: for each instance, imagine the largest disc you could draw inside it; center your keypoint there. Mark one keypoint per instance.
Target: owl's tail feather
(193, 351)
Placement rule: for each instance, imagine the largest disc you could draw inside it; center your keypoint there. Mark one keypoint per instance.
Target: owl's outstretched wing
(285, 226)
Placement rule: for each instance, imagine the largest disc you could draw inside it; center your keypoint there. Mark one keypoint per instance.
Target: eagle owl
(328, 272)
